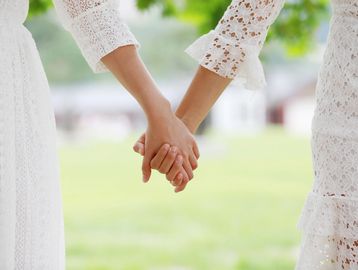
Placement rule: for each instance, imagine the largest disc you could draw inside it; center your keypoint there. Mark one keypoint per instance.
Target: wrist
(188, 122)
(160, 110)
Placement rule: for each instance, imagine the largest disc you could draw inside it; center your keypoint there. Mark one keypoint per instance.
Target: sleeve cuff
(237, 62)
(99, 32)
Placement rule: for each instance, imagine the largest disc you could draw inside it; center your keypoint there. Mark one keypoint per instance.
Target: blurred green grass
(239, 213)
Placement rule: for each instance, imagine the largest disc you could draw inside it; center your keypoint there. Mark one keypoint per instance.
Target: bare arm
(128, 68)
(107, 44)
(163, 126)
(228, 52)
(202, 94)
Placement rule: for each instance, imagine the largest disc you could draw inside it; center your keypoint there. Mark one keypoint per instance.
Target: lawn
(239, 213)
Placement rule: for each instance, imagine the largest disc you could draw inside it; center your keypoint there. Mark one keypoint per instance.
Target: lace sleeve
(96, 27)
(232, 49)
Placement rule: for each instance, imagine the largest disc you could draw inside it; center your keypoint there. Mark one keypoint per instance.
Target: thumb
(139, 146)
(146, 169)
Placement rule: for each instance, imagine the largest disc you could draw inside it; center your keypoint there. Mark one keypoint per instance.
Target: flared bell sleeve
(232, 49)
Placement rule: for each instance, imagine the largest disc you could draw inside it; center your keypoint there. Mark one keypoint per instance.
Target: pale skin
(165, 129)
(202, 94)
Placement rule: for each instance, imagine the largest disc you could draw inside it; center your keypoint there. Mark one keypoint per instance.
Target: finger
(187, 168)
(180, 177)
(159, 157)
(196, 151)
(146, 169)
(193, 162)
(182, 186)
(169, 160)
(178, 180)
(175, 169)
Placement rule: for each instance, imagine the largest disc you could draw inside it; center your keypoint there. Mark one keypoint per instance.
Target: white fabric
(232, 49)
(31, 220)
(96, 26)
(329, 220)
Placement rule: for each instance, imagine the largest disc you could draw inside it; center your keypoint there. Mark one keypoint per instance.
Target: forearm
(127, 66)
(202, 94)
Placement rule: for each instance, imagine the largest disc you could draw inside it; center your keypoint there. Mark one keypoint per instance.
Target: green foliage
(296, 26)
(39, 6)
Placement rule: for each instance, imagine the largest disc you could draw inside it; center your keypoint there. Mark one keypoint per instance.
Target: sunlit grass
(239, 213)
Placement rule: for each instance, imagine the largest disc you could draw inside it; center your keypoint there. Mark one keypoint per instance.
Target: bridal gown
(329, 220)
(31, 222)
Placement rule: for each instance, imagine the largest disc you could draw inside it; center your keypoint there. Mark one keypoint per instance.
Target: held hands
(165, 130)
(170, 148)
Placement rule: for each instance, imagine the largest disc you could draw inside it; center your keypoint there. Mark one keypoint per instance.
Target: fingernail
(144, 179)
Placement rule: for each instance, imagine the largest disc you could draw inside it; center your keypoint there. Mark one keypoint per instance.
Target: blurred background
(240, 211)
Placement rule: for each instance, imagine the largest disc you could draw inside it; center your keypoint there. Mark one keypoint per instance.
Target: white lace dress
(31, 223)
(329, 221)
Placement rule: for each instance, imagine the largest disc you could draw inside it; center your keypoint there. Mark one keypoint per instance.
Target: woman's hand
(168, 161)
(165, 130)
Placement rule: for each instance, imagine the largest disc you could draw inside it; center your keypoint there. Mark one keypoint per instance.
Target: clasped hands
(169, 147)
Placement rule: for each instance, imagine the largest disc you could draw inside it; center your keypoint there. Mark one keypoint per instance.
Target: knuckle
(172, 154)
(166, 147)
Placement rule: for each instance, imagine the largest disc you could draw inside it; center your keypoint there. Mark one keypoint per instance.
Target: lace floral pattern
(232, 49)
(330, 217)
